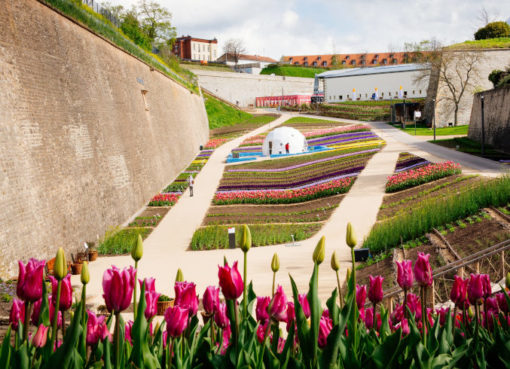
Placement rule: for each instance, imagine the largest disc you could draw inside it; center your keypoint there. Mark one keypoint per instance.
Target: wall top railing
(100, 9)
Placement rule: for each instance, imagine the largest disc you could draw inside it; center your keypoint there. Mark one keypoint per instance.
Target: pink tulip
(118, 288)
(475, 288)
(278, 305)
(96, 329)
(361, 295)
(375, 291)
(369, 318)
(405, 274)
(150, 284)
(458, 294)
(220, 316)
(262, 329)
(17, 313)
(422, 270)
(186, 296)
(442, 313)
(397, 315)
(486, 283)
(227, 333)
(231, 282)
(41, 336)
(66, 292)
(30, 280)
(37, 310)
(261, 309)
(303, 300)
(127, 332)
(414, 305)
(502, 303)
(151, 299)
(291, 314)
(491, 306)
(325, 327)
(176, 320)
(211, 299)
(405, 327)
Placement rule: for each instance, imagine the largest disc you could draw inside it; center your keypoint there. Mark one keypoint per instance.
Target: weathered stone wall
(80, 149)
(242, 89)
(496, 118)
(489, 60)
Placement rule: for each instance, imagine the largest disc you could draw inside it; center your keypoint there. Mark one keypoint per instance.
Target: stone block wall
(88, 133)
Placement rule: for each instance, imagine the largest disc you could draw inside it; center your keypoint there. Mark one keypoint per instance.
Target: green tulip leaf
(5, 351)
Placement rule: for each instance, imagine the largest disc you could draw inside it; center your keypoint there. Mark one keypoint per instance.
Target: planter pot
(76, 268)
(163, 305)
(92, 255)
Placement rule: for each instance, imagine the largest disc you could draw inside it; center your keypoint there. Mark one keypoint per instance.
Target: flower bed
(415, 177)
(215, 142)
(164, 199)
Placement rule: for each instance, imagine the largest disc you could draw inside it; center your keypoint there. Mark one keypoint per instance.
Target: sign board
(232, 230)
(417, 114)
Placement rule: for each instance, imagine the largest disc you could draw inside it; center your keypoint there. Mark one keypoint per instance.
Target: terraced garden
(296, 193)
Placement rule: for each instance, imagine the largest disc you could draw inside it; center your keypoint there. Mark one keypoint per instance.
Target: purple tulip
(422, 270)
(375, 291)
(261, 310)
(325, 327)
(211, 299)
(17, 313)
(220, 316)
(37, 310)
(278, 306)
(41, 336)
(176, 320)
(231, 282)
(303, 300)
(475, 288)
(458, 294)
(96, 329)
(66, 292)
(405, 274)
(30, 280)
(118, 288)
(361, 295)
(502, 303)
(486, 283)
(186, 296)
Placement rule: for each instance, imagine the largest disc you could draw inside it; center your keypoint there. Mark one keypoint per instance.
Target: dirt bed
(304, 127)
(151, 216)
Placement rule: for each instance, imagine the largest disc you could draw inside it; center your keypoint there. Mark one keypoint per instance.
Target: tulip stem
(27, 320)
(340, 297)
(116, 338)
(236, 317)
(405, 303)
(134, 290)
(274, 280)
(83, 306)
(245, 294)
(63, 322)
(423, 315)
(55, 316)
(170, 350)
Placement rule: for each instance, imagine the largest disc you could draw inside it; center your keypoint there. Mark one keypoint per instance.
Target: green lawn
(292, 71)
(223, 115)
(425, 131)
(472, 147)
(491, 43)
(307, 120)
(377, 102)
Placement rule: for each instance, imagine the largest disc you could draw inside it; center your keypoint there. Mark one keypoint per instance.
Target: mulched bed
(151, 216)
(7, 293)
(304, 127)
(385, 268)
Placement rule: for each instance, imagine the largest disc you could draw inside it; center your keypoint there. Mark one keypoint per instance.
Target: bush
(493, 30)
(499, 77)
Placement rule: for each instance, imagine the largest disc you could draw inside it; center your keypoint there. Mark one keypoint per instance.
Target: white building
(380, 83)
(251, 64)
(193, 48)
(281, 139)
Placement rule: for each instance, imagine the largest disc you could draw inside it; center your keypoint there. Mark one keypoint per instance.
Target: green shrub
(120, 241)
(493, 30)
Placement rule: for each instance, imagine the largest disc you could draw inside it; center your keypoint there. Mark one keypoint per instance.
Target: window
(405, 93)
(324, 63)
(385, 61)
(347, 57)
(420, 92)
(374, 61)
(296, 63)
(394, 61)
(319, 57)
(314, 63)
(413, 92)
(376, 56)
(382, 94)
(343, 62)
(305, 58)
(305, 64)
(389, 93)
(363, 62)
(290, 60)
(341, 97)
(353, 62)
(347, 95)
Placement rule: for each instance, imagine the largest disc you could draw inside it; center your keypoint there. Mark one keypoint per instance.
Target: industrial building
(378, 83)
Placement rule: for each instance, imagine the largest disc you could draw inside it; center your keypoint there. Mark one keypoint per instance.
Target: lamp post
(434, 116)
(483, 125)
(404, 120)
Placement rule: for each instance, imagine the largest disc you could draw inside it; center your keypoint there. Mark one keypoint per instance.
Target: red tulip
(502, 303)
(186, 296)
(226, 340)
(361, 295)
(211, 299)
(405, 274)
(41, 336)
(220, 316)
(303, 300)
(176, 320)
(422, 270)
(278, 306)
(231, 282)
(475, 288)
(17, 313)
(458, 294)
(30, 280)
(37, 310)
(486, 283)
(96, 329)
(261, 310)
(66, 292)
(118, 288)
(375, 291)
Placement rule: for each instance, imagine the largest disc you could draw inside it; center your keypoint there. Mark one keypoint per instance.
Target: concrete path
(166, 249)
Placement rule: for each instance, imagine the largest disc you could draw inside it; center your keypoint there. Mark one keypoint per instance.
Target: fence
(98, 8)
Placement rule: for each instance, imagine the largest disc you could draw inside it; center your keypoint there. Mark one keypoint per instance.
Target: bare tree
(483, 17)
(234, 48)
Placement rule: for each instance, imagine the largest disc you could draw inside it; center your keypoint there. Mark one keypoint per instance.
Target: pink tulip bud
(66, 292)
(261, 309)
(186, 296)
(127, 332)
(41, 336)
(231, 282)
(361, 295)
(118, 288)
(369, 318)
(422, 270)
(502, 303)
(278, 305)
(176, 320)
(375, 291)
(305, 305)
(475, 288)
(405, 274)
(486, 283)
(96, 329)
(291, 314)
(30, 280)
(211, 299)
(325, 327)
(220, 316)
(37, 310)
(227, 333)
(17, 313)
(458, 294)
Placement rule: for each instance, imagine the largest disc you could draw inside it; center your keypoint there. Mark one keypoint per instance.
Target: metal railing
(98, 8)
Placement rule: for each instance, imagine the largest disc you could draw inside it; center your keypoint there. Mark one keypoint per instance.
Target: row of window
(196, 47)
(376, 56)
(196, 56)
(353, 62)
(340, 97)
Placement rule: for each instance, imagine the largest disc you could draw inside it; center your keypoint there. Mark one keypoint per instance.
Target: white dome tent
(283, 139)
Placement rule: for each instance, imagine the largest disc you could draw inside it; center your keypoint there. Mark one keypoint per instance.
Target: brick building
(192, 48)
(351, 60)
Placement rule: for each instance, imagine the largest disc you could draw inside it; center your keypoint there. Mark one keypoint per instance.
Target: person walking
(191, 183)
(287, 147)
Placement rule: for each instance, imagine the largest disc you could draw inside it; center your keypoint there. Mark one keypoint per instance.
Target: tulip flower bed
(422, 174)
(346, 332)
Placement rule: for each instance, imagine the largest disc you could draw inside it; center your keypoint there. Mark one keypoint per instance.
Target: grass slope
(472, 147)
(426, 131)
(292, 71)
(223, 115)
(491, 43)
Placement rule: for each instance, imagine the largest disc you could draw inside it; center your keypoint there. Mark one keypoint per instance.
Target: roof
(196, 39)
(348, 72)
(248, 57)
(347, 59)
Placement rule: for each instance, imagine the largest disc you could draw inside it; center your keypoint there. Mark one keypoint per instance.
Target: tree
(493, 30)
(234, 48)
(156, 23)
(130, 26)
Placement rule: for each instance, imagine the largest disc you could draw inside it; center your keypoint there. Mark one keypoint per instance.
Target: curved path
(166, 249)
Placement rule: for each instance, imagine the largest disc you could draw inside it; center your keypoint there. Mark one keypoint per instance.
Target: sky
(294, 27)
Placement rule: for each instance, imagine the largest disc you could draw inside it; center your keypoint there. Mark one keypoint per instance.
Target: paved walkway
(166, 249)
